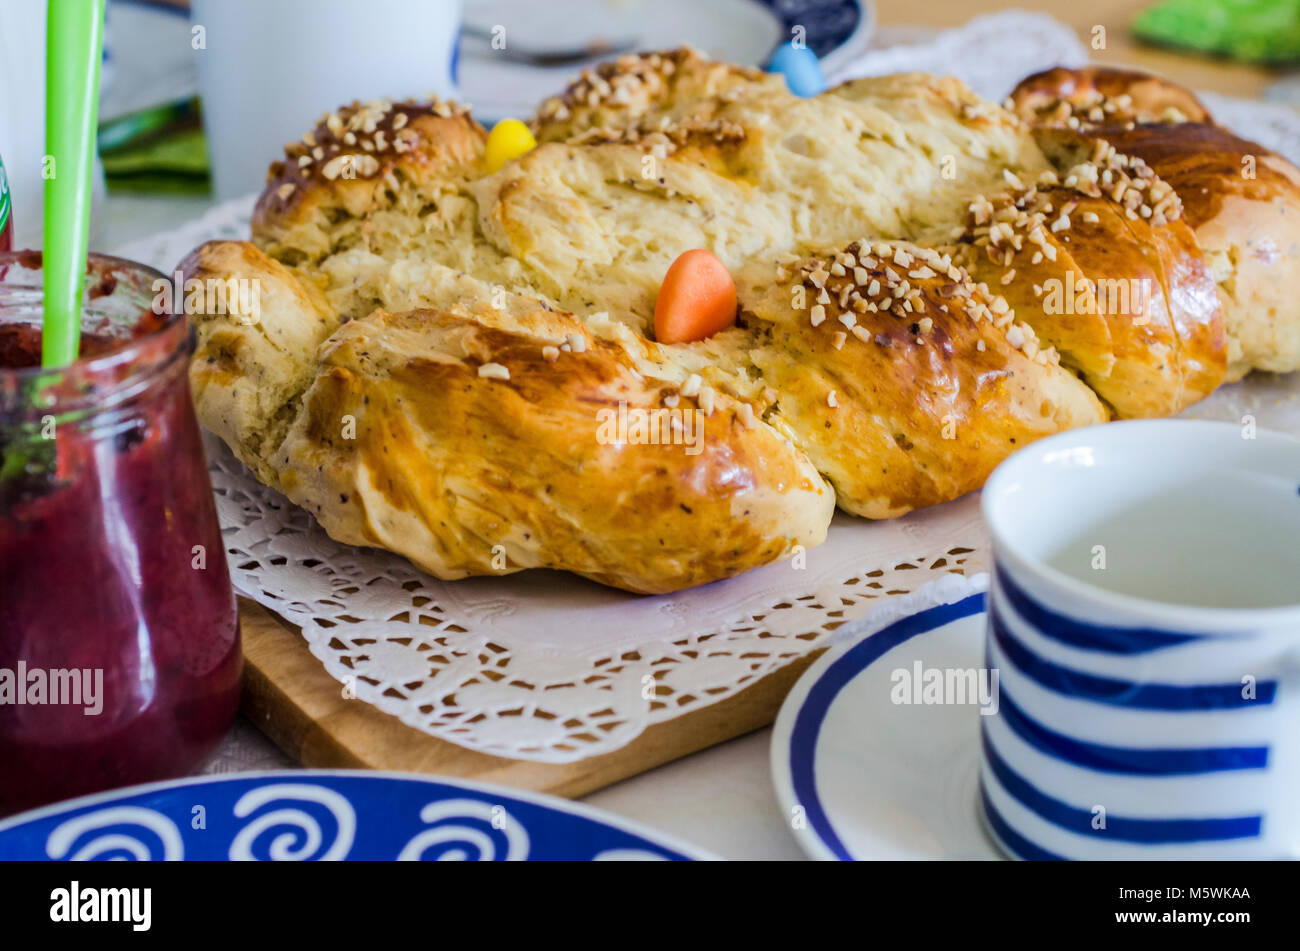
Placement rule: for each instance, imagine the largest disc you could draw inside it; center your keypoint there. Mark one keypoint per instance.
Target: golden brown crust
(1098, 261)
(620, 94)
(252, 362)
(1241, 200)
(1103, 96)
(452, 363)
(476, 450)
(352, 163)
(903, 380)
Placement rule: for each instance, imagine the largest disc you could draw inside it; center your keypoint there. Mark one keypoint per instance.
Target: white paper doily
(548, 667)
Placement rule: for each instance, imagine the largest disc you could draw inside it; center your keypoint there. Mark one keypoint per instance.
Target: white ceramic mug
(1144, 616)
(268, 70)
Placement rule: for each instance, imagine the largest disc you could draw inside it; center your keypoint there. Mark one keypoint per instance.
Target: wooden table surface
(1122, 49)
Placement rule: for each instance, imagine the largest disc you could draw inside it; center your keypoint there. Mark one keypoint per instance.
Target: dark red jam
(119, 637)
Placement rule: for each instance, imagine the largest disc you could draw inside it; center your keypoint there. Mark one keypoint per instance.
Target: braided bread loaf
(1238, 197)
(925, 280)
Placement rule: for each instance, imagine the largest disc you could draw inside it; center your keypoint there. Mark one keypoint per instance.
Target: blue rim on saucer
(799, 728)
(350, 815)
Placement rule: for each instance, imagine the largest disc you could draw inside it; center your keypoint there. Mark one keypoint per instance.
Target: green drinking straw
(74, 47)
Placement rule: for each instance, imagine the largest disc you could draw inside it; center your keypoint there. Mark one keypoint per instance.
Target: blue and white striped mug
(1144, 616)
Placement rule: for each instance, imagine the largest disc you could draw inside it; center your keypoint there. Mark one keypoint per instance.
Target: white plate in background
(738, 31)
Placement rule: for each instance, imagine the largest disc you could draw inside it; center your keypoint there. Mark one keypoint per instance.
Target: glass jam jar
(119, 637)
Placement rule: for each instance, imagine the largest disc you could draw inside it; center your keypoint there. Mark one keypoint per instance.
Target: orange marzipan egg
(696, 299)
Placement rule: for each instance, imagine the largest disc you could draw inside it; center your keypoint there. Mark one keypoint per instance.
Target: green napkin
(156, 150)
(1255, 31)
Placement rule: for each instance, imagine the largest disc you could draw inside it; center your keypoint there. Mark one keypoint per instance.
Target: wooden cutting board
(291, 698)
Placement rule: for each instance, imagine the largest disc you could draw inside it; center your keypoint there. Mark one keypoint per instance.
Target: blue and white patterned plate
(862, 776)
(329, 815)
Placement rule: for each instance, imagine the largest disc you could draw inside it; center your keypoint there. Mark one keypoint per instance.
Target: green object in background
(74, 48)
(161, 149)
(1254, 31)
(177, 162)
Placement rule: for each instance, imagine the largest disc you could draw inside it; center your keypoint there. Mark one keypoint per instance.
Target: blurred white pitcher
(22, 119)
(268, 70)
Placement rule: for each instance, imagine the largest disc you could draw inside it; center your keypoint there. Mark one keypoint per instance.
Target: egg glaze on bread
(1241, 200)
(911, 382)
(447, 348)
(1097, 259)
(458, 468)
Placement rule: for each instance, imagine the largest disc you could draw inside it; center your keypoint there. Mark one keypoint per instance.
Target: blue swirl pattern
(323, 815)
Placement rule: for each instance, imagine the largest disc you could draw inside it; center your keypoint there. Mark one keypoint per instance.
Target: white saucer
(864, 778)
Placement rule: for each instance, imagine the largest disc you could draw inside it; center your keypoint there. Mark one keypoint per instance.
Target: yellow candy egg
(508, 140)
